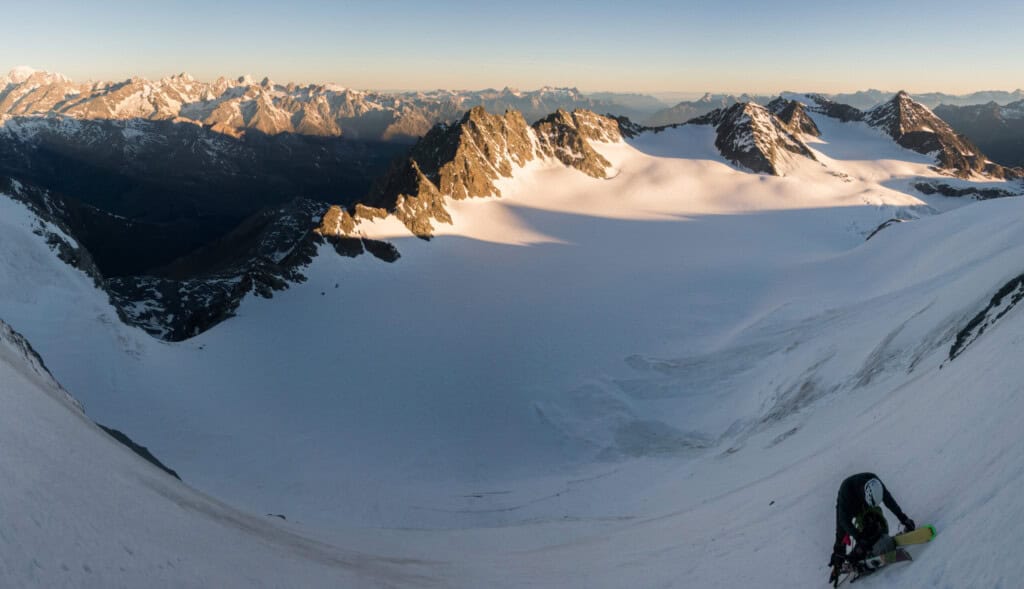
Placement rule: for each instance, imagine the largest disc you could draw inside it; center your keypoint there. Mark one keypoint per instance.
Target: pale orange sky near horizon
(647, 46)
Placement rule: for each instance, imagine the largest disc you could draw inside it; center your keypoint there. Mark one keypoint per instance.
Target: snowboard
(898, 555)
(873, 564)
(918, 536)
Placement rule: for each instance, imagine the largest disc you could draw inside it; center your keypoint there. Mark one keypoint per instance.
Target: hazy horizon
(649, 47)
(669, 94)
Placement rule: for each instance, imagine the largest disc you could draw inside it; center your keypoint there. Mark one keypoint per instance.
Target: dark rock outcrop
(1005, 299)
(793, 115)
(56, 217)
(142, 451)
(31, 361)
(148, 192)
(748, 135)
(975, 191)
(884, 225)
(265, 254)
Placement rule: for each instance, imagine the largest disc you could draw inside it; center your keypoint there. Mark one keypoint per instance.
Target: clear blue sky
(640, 45)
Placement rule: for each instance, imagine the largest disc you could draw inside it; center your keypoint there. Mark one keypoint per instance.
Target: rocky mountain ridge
(997, 130)
(239, 105)
(915, 127)
(466, 159)
(754, 137)
(867, 99)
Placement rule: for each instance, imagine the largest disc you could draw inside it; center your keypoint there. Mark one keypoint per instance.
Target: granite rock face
(567, 137)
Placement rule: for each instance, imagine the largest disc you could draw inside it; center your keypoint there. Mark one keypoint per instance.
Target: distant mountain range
(865, 99)
(187, 195)
(691, 109)
(998, 130)
(861, 100)
(235, 106)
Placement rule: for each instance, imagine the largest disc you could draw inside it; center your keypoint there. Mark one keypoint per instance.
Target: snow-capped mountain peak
(916, 127)
(750, 135)
(19, 74)
(902, 115)
(310, 109)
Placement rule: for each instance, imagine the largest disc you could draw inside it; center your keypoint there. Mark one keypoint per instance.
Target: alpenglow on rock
(466, 160)
(237, 106)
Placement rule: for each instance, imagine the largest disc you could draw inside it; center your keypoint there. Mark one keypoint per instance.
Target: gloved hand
(909, 525)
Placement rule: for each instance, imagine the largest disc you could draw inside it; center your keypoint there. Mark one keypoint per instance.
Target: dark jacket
(851, 504)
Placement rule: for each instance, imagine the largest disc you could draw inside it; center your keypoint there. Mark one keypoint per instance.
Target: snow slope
(79, 510)
(601, 382)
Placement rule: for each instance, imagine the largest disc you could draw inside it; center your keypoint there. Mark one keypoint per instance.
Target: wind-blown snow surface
(603, 382)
